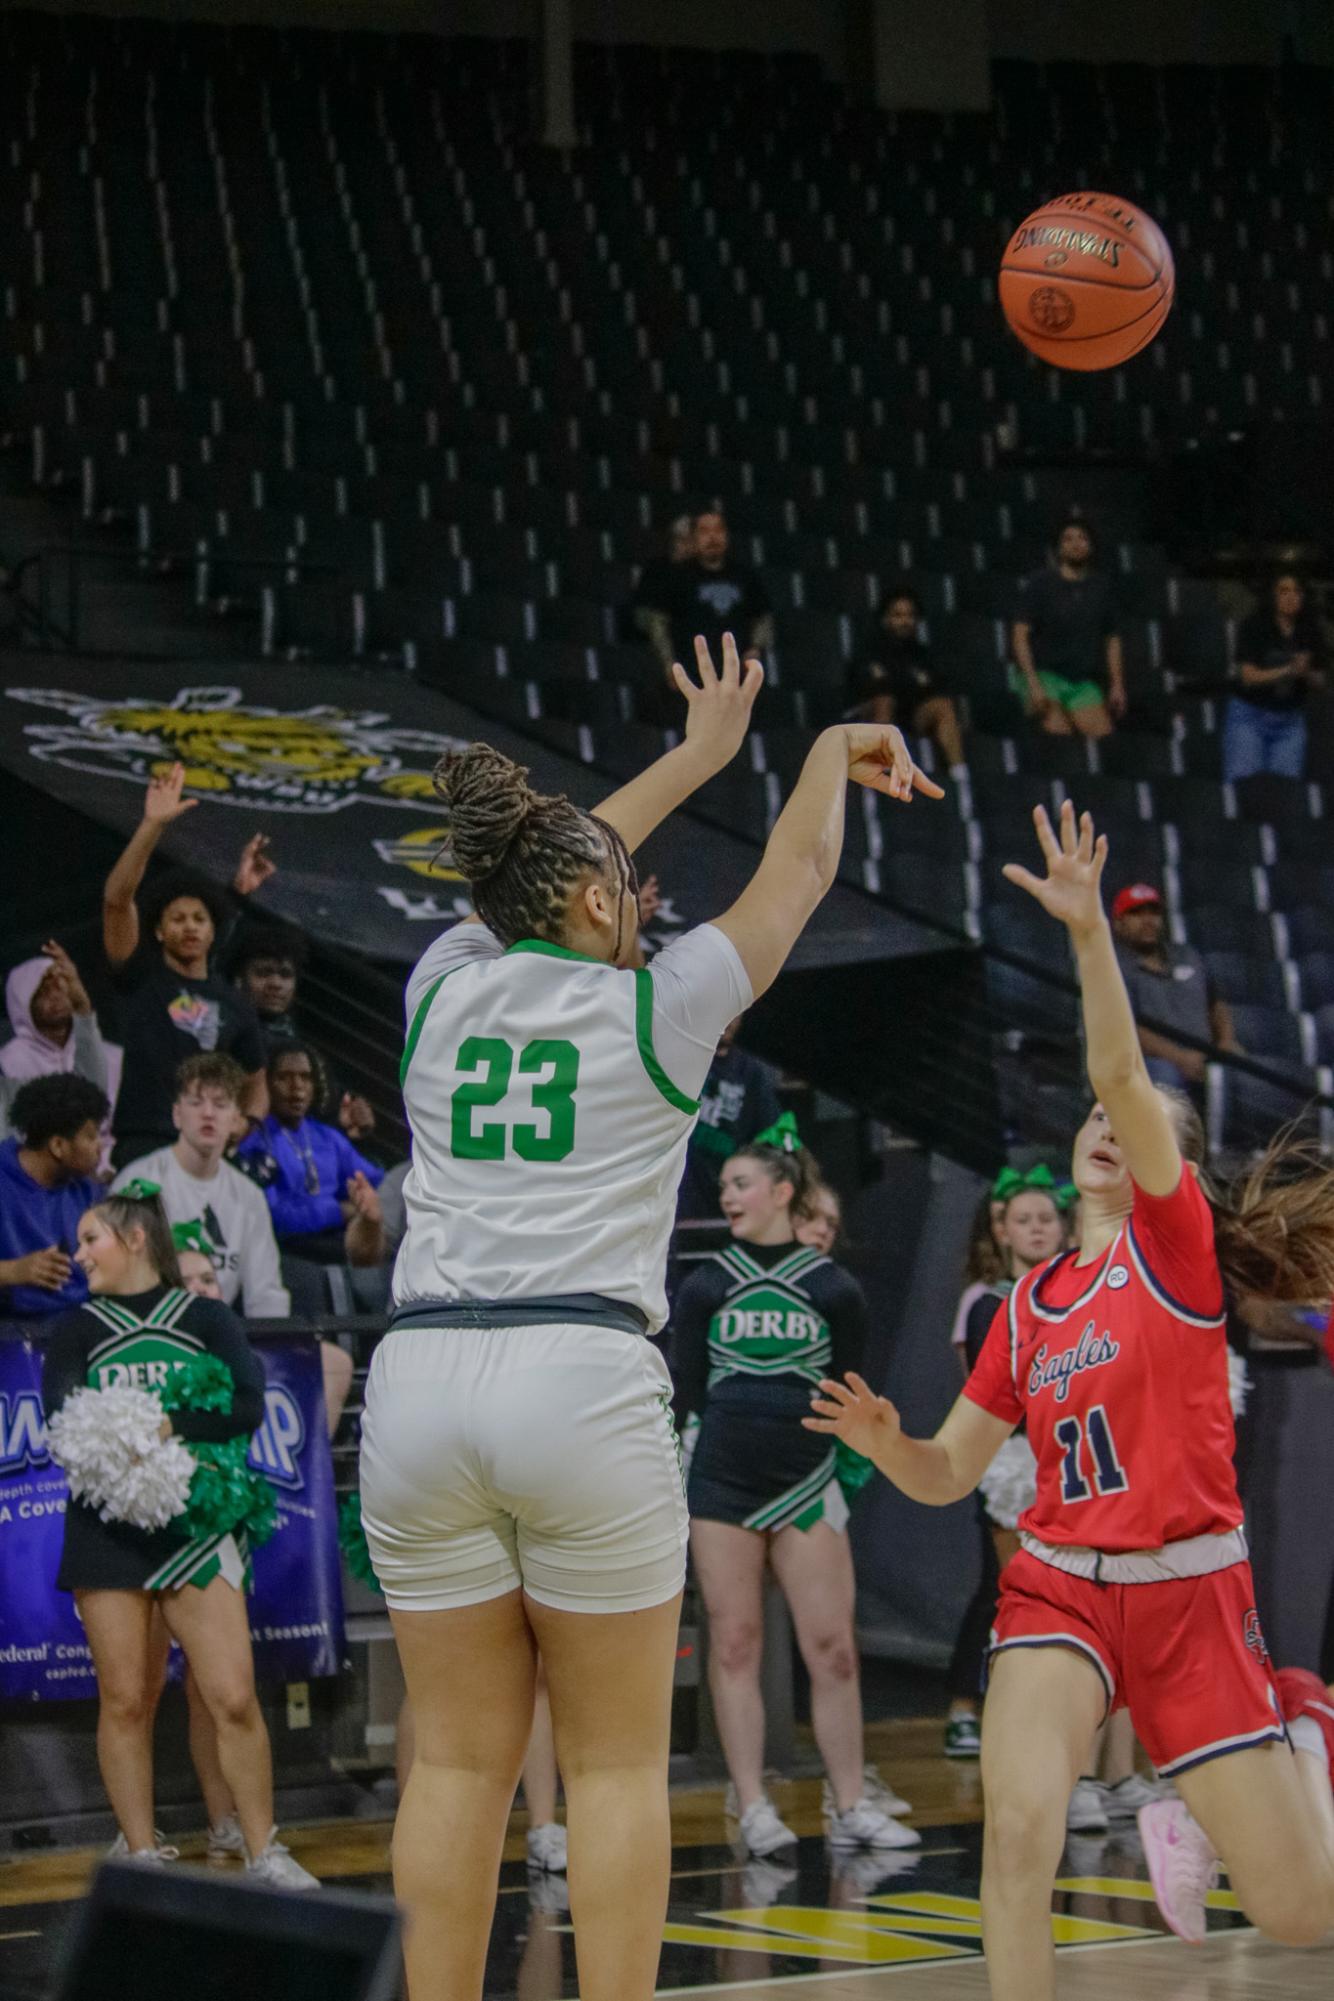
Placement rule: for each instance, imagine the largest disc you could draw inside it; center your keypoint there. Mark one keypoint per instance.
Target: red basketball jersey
(1119, 1370)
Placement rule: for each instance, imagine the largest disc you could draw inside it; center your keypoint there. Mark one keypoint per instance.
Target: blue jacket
(281, 1161)
(31, 1218)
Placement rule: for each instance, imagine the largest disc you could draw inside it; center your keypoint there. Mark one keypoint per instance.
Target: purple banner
(296, 1609)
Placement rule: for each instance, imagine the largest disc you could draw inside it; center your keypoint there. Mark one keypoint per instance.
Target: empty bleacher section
(328, 364)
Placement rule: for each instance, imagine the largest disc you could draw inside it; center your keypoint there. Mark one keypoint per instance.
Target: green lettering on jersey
(492, 1056)
(768, 1331)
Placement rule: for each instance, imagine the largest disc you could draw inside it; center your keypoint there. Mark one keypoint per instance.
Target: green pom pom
(352, 1542)
(227, 1496)
(204, 1383)
(852, 1470)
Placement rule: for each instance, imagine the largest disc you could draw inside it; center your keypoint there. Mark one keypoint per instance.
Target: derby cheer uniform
(139, 1341)
(754, 1330)
(1133, 1552)
(518, 1427)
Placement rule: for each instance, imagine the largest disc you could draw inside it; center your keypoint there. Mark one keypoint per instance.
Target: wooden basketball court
(898, 1927)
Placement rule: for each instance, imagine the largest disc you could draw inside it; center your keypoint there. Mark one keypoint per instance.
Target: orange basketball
(1087, 280)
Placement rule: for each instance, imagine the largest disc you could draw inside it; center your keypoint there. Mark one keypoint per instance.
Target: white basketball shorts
(541, 1457)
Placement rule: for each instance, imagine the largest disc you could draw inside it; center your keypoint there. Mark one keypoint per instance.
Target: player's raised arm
(1071, 892)
(802, 854)
(718, 709)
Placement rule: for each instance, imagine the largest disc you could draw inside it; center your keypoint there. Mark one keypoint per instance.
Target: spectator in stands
(55, 1030)
(738, 1100)
(314, 1180)
(708, 595)
(893, 680)
(46, 1184)
(1067, 650)
(656, 578)
(177, 1007)
(1169, 986)
(198, 1186)
(267, 965)
(1280, 657)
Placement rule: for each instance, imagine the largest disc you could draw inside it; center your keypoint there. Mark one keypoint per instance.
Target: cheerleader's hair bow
(142, 1191)
(1011, 1181)
(782, 1134)
(191, 1237)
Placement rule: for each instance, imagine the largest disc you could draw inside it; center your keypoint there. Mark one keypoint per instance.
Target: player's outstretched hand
(852, 1411)
(879, 758)
(1071, 890)
(718, 707)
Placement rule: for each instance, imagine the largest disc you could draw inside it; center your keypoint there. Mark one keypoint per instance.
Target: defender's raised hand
(1071, 890)
(852, 1412)
(879, 758)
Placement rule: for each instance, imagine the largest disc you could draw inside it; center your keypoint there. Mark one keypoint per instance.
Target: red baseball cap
(1138, 896)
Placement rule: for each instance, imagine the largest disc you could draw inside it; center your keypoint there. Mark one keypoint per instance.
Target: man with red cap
(1169, 987)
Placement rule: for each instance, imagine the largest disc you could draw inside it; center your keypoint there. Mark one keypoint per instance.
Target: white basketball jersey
(550, 1098)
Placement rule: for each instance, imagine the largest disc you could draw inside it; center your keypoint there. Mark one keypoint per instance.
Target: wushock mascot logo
(239, 753)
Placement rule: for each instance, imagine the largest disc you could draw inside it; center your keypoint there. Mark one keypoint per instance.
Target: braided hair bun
(488, 800)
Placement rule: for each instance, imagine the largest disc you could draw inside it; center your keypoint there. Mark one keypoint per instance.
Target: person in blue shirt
(46, 1183)
(314, 1180)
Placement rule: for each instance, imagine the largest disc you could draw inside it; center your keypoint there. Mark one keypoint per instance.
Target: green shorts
(1068, 695)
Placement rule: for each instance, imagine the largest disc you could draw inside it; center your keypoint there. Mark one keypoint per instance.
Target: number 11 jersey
(1119, 1370)
(551, 1097)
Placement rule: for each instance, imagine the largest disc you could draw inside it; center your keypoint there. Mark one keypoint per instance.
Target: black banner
(335, 767)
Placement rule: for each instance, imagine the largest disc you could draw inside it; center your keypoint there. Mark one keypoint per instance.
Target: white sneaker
(763, 1883)
(225, 1841)
(278, 1869)
(547, 1848)
(155, 1858)
(1086, 1813)
(1124, 1800)
(1183, 1866)
(868, 1826)
(763, 1832)
(876, 1790)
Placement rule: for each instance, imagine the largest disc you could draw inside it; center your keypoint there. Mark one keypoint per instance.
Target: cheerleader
(138, 1326)
(1023, 1220)
(1132, 1587)
(754, 1328)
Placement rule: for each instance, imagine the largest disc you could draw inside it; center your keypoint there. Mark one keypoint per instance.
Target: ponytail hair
(138, 1206)
(522, 852)
(784, 1158)
(1274, 1223)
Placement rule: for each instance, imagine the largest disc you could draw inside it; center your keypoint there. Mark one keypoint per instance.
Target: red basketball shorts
(1185, 1656)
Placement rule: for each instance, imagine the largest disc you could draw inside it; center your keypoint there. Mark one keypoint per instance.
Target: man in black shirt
(1067, 650)
(175, 1007)
(707, 596)
(893, 680)
(739, 1098)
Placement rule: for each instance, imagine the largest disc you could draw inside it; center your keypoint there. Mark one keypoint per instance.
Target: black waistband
(580, 1308)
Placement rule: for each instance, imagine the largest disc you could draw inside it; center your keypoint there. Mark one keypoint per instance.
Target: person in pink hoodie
(55, 1028)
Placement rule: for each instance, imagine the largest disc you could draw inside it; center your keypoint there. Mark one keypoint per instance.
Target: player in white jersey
(520, 1482)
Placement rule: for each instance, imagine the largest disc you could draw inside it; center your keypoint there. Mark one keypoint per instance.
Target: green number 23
(493, 1058)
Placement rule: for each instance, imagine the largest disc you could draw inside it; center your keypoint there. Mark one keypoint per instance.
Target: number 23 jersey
(551, 1097)
(1120, 1371)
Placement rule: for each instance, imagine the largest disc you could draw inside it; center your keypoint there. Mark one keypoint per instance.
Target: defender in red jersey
(1132, 1586)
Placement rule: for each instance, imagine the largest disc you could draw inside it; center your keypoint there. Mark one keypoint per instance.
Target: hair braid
(521, 852)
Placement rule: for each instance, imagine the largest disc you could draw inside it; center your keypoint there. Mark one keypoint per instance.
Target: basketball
(1087, 280)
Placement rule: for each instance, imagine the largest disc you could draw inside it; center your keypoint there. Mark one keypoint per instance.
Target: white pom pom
(114, 1459)
(1238, 1381)
(1010, 1483)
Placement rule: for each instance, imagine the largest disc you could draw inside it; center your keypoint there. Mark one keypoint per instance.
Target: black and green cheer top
(754, 1328)
(137, 1341)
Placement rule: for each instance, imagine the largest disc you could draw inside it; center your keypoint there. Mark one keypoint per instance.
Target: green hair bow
(1011, 1182)
(782, 1133)
(140, 1191)
(191, 1237)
